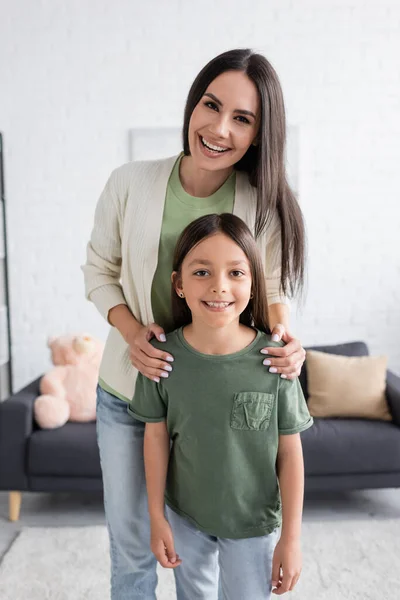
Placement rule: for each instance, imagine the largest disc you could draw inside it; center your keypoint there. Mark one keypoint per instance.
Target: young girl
(236, 450)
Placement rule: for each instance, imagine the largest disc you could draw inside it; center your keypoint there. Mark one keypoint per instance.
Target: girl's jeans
(244, 566)
(120, 439)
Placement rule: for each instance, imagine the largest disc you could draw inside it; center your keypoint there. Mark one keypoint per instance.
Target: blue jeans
(244, 565)
(120, 440)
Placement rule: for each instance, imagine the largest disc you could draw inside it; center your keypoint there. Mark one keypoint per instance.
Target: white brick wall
(76, 75)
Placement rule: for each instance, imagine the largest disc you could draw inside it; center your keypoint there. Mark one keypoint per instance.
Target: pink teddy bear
(69, 389)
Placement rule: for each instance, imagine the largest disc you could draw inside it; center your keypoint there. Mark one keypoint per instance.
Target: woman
(233, 161)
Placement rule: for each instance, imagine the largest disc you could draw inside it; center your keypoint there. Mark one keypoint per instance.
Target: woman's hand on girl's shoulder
(149, 361)
(288, 359)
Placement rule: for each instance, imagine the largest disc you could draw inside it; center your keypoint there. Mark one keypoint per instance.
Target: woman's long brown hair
(256, 312)
(264, 163)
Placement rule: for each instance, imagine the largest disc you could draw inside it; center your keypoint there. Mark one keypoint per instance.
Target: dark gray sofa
(339, 454)
(349, 454)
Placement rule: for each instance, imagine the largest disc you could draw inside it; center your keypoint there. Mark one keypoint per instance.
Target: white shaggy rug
(349, 560)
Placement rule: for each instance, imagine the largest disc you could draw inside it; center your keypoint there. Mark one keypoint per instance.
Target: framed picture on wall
(153, 143)
(160, 142)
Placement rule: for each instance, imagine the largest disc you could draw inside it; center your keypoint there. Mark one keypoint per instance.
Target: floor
(74, 510)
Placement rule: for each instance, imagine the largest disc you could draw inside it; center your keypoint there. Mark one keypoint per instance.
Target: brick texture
(76, 76)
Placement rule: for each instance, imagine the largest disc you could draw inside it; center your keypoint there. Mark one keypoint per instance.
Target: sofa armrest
(16, 427)
(393, 395)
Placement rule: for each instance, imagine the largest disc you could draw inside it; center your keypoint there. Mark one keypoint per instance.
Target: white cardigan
(123, 251)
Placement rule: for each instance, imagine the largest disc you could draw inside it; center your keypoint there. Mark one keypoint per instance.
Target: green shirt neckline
(218, 357)
(197, 202)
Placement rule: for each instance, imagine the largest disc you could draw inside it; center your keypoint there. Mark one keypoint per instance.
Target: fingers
(283, 351)
(153, 373)
(160, 369)
(157, 331)
(284, 362)
(284, 586)
(287, 368)
(152, 352)
(150, 361)
(278, 332)
(141, 342)
(287, 372)
(170, 548)
(160, 552)
(276, 572)
(287, 583)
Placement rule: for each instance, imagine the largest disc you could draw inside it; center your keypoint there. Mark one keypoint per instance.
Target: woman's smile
(212, 150)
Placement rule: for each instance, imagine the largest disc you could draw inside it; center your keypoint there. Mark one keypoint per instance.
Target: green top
(180, 209)
(224, 415)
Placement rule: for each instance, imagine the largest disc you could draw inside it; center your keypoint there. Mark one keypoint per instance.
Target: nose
(220, 127)
(219, 285)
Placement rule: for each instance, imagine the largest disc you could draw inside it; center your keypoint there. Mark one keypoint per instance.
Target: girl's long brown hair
(256, 312)
(264, 163)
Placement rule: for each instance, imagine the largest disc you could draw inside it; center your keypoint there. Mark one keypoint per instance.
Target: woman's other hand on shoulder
(286, 360)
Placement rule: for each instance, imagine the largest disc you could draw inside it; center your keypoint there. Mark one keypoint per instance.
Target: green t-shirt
(180, 209)
(224, 416)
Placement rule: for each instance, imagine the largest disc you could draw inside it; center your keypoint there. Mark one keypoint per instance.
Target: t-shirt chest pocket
(252, 410)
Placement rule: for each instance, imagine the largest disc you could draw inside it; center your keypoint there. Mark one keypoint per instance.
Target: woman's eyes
(239, 118)
(243, 119)
(237, 273)
(211, 105)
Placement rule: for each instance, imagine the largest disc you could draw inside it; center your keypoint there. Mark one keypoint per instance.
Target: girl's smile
(216, 306)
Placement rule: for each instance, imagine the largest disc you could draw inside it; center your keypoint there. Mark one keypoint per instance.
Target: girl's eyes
(203, 273)
(200, 273)
(239, 118)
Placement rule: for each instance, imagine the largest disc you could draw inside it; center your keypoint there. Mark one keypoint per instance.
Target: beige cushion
(347, 386)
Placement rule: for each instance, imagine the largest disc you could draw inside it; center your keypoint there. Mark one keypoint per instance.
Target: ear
(177, 282)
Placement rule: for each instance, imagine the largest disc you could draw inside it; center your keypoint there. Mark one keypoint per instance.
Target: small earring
(251, 296)
(182, 295)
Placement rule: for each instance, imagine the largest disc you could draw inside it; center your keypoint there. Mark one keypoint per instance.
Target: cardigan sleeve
(102, 269)
(273, 263)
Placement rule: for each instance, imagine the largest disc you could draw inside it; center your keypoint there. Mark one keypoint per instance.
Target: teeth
(218, 304)
(211, 147)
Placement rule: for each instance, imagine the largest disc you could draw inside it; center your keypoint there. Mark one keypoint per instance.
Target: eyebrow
(202, 261)
(237, 110)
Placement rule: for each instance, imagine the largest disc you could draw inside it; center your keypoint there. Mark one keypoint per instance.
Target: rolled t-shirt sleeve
(149, 402)
(293, 415)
